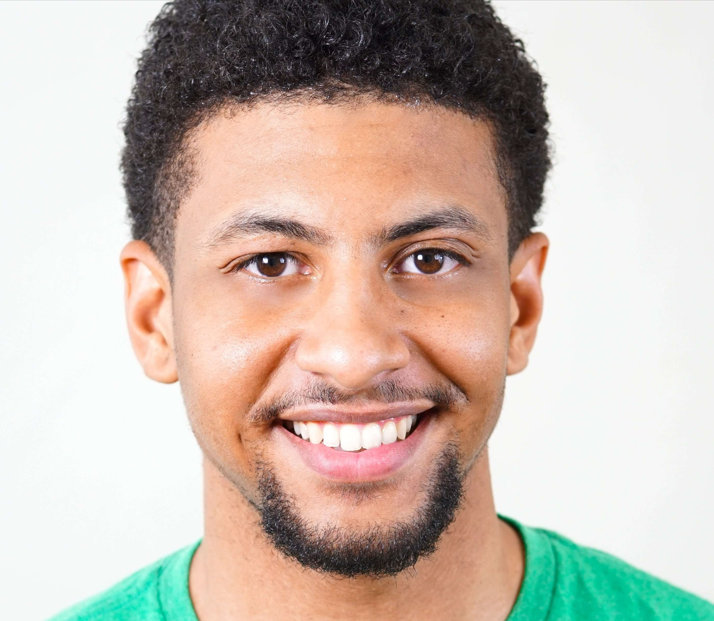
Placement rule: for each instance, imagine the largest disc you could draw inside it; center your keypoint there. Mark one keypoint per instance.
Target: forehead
(340, 166)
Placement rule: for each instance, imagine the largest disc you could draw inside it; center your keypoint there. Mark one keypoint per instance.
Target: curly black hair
(206, 54)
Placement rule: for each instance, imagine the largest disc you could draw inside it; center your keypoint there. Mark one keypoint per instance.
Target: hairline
(179, 172)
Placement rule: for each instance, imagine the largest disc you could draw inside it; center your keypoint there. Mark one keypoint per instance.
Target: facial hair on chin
(379, 551)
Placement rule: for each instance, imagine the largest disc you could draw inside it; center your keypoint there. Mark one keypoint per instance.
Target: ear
(147, 298)
(526, 299)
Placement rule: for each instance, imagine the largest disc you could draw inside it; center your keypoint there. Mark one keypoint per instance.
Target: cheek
(467, 342)
(463, 324)
(226, 354)
(229, 339)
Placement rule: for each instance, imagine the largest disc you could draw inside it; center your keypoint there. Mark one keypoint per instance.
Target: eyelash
(450, 254)
(241, 265)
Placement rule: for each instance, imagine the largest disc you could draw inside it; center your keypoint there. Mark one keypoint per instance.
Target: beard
(378, 551)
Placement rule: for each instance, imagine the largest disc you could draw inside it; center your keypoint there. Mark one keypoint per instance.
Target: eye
(430, 261)
(272, 265)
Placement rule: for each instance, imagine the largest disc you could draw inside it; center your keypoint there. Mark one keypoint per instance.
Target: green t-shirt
(563, 581)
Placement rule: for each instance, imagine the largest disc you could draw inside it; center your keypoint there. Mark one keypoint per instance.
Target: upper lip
(352, 414)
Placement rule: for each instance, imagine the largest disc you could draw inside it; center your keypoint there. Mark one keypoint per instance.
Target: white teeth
(389, 432)
(371, 436)
(402, 428)
(350, 438)
(331, 435)
(314, 431)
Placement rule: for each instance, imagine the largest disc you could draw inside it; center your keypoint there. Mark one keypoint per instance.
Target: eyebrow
(243, 225)
(452, 217)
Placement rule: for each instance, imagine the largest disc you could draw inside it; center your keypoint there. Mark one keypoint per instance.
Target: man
(332, 207)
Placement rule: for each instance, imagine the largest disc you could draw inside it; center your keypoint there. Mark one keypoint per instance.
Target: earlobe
(147, 302)
(526, 299)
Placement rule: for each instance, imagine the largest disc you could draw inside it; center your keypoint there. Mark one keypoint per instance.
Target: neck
(236, 573)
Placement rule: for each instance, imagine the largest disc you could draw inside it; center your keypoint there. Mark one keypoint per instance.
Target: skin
(349, 318)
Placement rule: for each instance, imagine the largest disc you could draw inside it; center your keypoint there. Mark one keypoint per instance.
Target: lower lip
(362, 466)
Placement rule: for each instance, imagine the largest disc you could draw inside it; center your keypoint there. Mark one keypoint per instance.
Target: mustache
(444, 396)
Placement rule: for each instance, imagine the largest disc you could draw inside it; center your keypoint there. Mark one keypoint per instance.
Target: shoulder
(133, 597)
(595, 585)
(138, 597)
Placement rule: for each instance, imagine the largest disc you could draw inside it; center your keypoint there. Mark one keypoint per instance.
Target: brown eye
(428, 261)
(272, 265)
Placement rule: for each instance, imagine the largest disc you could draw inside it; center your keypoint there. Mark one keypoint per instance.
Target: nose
(351, 339)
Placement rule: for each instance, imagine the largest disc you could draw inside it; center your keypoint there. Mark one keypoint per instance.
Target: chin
(376, 527)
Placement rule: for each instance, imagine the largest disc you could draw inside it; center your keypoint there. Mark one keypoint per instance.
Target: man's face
(341, 266)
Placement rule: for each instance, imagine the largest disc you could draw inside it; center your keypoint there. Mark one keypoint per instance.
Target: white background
(607, 437)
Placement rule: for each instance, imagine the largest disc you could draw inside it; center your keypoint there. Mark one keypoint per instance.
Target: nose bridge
(356, 294)
(352, 337)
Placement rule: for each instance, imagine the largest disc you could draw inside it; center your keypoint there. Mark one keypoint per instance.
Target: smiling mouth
(355, 437)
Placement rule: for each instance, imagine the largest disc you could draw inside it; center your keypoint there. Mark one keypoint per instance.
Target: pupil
(429, 262)
(272, 264)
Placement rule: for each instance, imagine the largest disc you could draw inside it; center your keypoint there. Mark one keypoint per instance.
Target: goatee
(380, 550)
